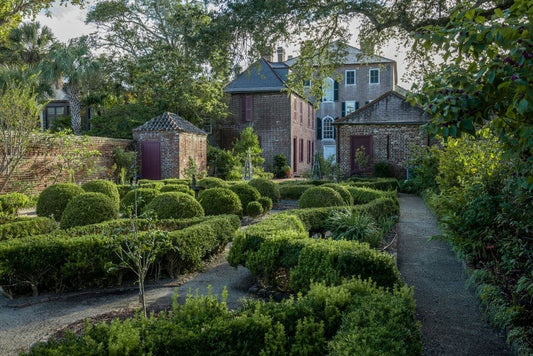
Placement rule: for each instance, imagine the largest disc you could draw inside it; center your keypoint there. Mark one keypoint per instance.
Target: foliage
(220, 162)
(423, 170)
(254, 209)
(154, 184)
(383, 170)
(182, 188)
(123, 189)
(246, 194)
(349, 225)
(10, 203)
(266, 203)
(320, 197)
(55, 198)
(343, 192)
(105, 187)
(88, 208)
(248, 142)
(175, 205)
(137, 198)
(363, 195)
(362, 159)
(330, 169)
(124, 164)
(266, 188)
(212, 182)
(374, 183)
(192, 170)
(216, 201)
(30, 227)
(19, 119)
(76, 159)
(281, 166)
(293, 191)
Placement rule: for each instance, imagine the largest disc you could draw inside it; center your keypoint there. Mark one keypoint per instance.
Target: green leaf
(523, 106)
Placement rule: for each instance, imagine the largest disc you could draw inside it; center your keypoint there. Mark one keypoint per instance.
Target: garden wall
(38, 168)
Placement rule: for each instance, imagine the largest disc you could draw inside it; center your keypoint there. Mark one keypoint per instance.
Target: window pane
(328, 88)
(374, 76)
(60, 110)
(350, 77)
(350, 107)
(327, 128)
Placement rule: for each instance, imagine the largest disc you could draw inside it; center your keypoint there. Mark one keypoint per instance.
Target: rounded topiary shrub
(54, 199)
(175, 205)
(318, 197)
(254, 208)
(88, 208)
(105, 187)
(182, 188)
(266, 188)
(266, 203)
(217, 201)
(246, 194)
(212, 182)
(343, 191)
(144, 197)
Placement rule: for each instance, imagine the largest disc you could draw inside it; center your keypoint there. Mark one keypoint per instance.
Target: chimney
(281, 54)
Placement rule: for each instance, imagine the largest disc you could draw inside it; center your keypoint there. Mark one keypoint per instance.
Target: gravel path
(450, 315)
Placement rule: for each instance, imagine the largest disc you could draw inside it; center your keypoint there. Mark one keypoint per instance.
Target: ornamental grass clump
(175, 205)
(352, 225)
(318, 197)
(54, 199)
(88, 208)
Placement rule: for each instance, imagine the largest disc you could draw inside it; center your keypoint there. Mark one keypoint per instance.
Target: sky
(68, 22)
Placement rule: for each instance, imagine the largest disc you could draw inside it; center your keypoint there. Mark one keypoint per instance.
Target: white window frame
(328, 121)
(347, 104)
(370, 75)
(307, 83)
(346, 77)
(328, 88)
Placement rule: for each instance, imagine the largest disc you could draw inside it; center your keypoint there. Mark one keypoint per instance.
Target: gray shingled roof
(262, 76)
(169, 122)
(353, 56)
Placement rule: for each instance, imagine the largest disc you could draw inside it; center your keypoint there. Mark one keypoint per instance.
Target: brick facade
(36, 170)
(391, 124)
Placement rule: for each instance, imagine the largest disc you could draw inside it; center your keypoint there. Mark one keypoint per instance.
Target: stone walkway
(450, 315)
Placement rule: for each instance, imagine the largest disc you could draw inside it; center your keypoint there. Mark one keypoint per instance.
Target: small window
(327, 128)
(373, 76)
(328, 90)
(351, 106)
(307, 83)
(349, 77)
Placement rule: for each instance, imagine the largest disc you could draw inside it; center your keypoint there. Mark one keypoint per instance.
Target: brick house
(363, 78)
(284, 123)
(165, 144)
(385, 129)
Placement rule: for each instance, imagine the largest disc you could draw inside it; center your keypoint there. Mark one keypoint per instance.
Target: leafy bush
(383, 170)
(266, 188)
(254, 209)
(154, 184)
(123, 189)
(212, 182)
(220, 162)
(266, 203)
(182, 188)
(175, 205)
(374, 183)
(10, 203)
(349, 225)
(177, 181)
(88, 208)
(246, 194)
(281, 166)
(216, 201)
(144, 197)
(363, 195)
(293, 191)
(320, 197)
(27, 227)
(105, 187)
(344, 193)
(54, 199)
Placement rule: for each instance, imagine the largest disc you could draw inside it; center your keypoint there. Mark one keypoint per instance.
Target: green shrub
(363, 195)
(177, 181)
(320, 197)
(144, 197)
(182, 188)
(374, 183)
(54, 199)
(123, 189)
(266, 203)
(88, 208)
(254, 209)
(281, 166)
(293, 191)
(349, 225)
(343, 192)
(28, 227)
(266, 188)
(212, 182)
(175, 205)
(153, 184)
(383, 170)
(10, 203)
(105, 187)
(216, 201)
(246, 194)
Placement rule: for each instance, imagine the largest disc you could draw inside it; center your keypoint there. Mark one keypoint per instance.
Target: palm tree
(27, 44)
(72, 66)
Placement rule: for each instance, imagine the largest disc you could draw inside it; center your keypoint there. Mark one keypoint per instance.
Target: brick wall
(303, 130)
(36, 170)
(195, 146)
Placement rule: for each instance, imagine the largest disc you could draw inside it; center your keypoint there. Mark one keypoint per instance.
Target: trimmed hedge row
(59, 262)
(383, 323)
(377, 183)
(363, 195)
(293, 191)
(27, 227)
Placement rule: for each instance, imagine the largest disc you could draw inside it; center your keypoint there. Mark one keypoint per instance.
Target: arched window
(328, 88)
(327, 128)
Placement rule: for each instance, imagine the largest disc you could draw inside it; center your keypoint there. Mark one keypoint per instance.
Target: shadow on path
(450, 315)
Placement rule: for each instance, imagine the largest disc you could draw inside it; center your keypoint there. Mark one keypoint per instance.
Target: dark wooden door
(361, 162)
(151, 160)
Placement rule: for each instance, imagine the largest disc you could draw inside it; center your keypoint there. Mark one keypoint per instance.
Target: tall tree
(73, 67)
(27, 44)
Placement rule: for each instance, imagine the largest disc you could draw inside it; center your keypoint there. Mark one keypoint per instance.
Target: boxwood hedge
(54, 199)
(27, 227)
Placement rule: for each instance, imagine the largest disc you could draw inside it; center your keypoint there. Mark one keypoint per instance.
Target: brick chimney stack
(281, 54)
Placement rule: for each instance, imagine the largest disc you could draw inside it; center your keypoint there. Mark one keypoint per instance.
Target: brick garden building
(386, 128)
(165, 144)
(284, 123)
